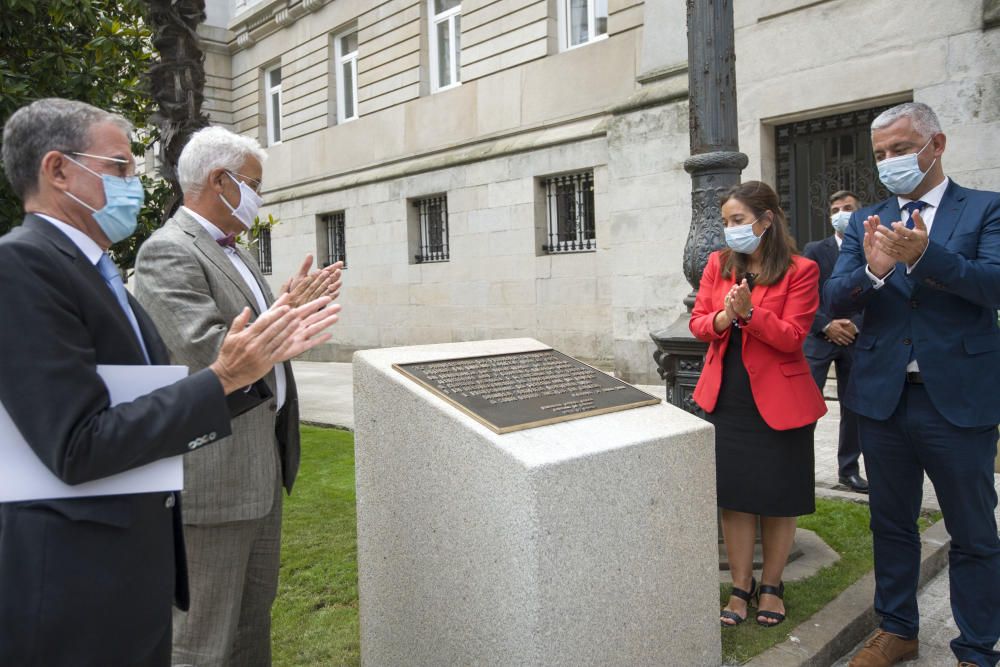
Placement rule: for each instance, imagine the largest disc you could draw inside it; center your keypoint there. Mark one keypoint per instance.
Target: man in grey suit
(191, 277)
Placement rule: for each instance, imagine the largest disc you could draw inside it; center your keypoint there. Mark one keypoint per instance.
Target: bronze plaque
(512, 392)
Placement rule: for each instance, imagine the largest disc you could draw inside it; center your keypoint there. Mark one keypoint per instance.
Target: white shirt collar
(932, 197)
(204, 222)
(87, 245)
(840, 241)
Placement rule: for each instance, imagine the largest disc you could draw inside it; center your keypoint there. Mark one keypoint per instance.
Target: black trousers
(849, 446)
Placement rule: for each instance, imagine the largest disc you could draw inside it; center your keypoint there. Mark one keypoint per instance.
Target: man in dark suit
(90, 581)
(924, 267)
(831, 340)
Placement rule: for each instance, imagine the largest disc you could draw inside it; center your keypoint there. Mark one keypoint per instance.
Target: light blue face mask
(742, 239)
(839, 221)
(901, 174)
(123, 199)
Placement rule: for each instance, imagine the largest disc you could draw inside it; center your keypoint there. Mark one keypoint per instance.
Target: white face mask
(839, 221)
(250, 202)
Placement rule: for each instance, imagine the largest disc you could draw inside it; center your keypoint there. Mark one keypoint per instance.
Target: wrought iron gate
(816, 158)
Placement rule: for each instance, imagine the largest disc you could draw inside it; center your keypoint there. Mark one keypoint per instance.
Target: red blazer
(783, 387)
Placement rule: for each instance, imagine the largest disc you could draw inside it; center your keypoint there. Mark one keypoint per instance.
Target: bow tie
(227, 241)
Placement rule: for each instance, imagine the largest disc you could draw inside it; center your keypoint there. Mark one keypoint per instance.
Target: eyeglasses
(126, 167)
(255, 184)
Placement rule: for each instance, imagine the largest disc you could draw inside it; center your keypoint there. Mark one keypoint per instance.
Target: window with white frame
(445, 41)
(272, 105)
(582, 21)
(345, 47)
(569, 212)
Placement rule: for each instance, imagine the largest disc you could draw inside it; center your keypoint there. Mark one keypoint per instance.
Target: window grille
(433, 219)
(264, 250)
(335, 246)
(569, 208)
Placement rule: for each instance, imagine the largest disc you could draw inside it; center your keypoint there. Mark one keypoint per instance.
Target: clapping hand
(738, 300)
(282, 332)
(304, 286)
(902, 244)
(879, 261)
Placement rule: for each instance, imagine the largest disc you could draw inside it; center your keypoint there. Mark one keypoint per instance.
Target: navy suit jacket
(945, 310)
(89, 581)
(824, 252)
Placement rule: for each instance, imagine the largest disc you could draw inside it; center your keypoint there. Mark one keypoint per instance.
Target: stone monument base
(587, 542)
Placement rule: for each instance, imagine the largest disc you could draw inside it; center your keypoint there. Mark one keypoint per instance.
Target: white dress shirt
(251, 282)
(87, 245)
(93, 253)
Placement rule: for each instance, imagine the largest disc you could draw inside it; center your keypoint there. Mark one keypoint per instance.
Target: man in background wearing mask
(831, 340)
(90, 581)
(192, 276)
(924, 267)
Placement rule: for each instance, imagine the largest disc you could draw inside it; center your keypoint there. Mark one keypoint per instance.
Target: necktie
(912, 206)
(227, 241)
(113, 277)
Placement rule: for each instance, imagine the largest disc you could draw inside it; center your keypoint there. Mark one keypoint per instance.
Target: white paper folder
(24, 477)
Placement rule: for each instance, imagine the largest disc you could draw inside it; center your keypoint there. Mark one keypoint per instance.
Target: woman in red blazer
(754, 308)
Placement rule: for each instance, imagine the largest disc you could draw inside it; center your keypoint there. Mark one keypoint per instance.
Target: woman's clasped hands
(737, 301)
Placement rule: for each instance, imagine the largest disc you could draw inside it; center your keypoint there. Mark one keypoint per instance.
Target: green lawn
(843, 526)
(315, 618)
(316, 613)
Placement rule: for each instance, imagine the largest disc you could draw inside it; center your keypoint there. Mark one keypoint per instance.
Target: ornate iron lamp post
(715, 165)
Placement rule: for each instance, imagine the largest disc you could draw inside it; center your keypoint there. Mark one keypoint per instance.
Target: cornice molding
(265, 18)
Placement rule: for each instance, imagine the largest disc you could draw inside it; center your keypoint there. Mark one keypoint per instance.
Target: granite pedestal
(588, 542)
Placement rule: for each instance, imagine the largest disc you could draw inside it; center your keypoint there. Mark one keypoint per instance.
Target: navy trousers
(849, 445)
(959, 462)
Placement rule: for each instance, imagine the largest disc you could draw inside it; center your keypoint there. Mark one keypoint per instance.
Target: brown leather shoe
(884, 649)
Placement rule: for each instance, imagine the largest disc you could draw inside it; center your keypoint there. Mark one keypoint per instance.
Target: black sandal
(743, 595)
(778, 592)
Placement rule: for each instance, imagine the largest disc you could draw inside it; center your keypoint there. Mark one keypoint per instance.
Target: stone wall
(528, 109)
(497, 283)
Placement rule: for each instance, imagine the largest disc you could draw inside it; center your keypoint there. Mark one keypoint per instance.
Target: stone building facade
(502, 168)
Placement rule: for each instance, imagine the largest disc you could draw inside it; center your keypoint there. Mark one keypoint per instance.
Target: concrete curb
(838, 627)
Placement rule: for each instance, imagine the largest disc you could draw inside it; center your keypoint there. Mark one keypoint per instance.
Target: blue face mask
(123, 199)
(901, 174)
(742, 239)
(839, 221)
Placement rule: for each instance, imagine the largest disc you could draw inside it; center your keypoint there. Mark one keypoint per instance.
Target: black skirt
(758, 470)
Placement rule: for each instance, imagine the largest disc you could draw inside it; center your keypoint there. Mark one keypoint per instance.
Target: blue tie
(113, 277)
(912, 206)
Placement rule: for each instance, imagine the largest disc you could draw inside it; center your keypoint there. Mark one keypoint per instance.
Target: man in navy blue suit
(831, 340)
(924, 268)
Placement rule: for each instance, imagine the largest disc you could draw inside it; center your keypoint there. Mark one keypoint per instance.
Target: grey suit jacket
(192, 292)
